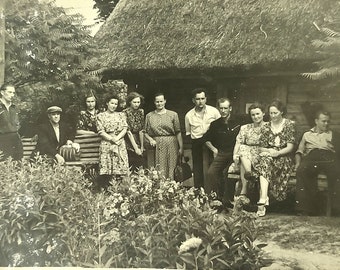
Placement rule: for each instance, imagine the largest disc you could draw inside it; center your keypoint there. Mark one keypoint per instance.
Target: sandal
(261, 212)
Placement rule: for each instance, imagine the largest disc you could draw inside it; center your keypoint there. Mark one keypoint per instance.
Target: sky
(84, 7)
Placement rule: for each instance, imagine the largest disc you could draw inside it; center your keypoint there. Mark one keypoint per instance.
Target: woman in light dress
(246, 149)
(112, 127)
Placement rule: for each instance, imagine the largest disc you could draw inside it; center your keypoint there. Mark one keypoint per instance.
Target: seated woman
(135, 120)
(162, 129)
(87, 119)
(246, 149)
(275, 163)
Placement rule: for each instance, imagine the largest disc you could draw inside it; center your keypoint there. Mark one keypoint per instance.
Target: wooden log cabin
(244, 50)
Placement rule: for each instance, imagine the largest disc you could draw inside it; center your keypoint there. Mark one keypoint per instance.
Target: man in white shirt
(197, 122)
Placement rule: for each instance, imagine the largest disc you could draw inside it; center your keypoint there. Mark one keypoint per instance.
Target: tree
(105, 7)
(47, 53)
(329, 51)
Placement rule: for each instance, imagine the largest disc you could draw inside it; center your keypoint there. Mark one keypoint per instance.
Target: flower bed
(52, 217)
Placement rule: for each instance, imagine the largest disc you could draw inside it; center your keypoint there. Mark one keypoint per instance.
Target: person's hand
(236, 159)
(59, 159)
(272, 152)
(180, 151)
(138, 151)
(215, 152)
(76, 146)
(153, 142)
(296, 166)
(114, 139)
(275, 153)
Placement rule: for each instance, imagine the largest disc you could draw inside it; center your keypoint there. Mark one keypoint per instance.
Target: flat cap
(54, 109)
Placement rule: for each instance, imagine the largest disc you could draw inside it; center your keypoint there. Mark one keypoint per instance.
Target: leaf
(225, 263)
(142, 250)
(102, 250)
(108, 263)
(188, 258)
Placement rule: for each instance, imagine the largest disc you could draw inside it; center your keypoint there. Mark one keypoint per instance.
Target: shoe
(261, 212)
(266, 202)
(249, 177)
(261, 207)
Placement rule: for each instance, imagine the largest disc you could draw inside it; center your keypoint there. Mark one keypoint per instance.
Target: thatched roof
(207, 34)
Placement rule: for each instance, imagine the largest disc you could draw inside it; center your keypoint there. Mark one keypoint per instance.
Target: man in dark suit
(220, 139)
(54, 134)
(10, 143)
(318, 151)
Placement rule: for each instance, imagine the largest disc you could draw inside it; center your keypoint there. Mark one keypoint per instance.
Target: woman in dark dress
(275, 163)
(87, 119)
(135, 135)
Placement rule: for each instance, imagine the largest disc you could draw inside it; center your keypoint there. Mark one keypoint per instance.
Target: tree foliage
(47, 56)
(329, 50)
(105, 7)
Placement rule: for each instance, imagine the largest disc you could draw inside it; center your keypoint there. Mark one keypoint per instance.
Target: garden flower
(191, 243)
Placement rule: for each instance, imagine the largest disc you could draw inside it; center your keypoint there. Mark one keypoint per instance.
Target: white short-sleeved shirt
(196, 125)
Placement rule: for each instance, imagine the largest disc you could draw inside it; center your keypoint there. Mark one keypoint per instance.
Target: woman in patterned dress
(112, 127)
(162, 129)
(87, 119)
(275, 163)
(246, 149)
(135, 133)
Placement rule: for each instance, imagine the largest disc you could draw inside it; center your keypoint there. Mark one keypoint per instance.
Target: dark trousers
(216, 181)
(11, 146)
(197, 162)
(317, 161)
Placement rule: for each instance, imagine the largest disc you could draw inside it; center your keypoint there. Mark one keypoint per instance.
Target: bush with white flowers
(51, 216)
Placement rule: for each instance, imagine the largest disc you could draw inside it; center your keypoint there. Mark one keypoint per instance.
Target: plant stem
(98, 220)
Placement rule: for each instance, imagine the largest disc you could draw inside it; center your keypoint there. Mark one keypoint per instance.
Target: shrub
(50, 217)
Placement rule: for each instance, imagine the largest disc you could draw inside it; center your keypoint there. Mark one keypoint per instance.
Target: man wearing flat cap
(54, 134)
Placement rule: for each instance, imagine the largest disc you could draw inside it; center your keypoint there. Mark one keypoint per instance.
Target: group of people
(262, 150)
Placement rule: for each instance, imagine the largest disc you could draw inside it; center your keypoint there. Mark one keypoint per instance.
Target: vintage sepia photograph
(149, 134)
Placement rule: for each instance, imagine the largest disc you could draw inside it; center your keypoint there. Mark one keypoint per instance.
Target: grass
(317, 234)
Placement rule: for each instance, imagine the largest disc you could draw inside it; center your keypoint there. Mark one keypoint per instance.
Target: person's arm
(133, 143)
(284, 151)
(240, 138)
(300, 151)
(85, 132)
(236, 156)
(187, 125)
(141, 139)
(147, 130)
(212, 148)
(180, 143)
(121, 134)
(150, 139)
